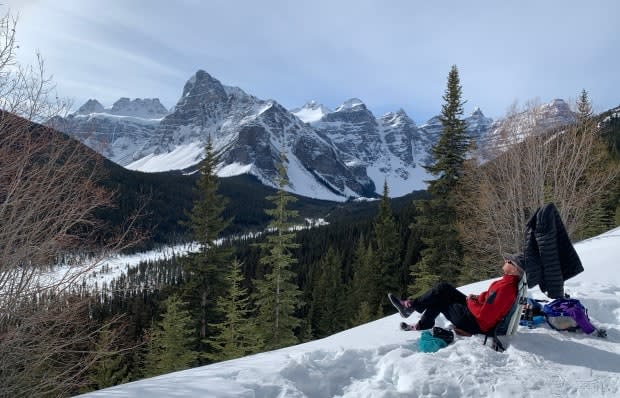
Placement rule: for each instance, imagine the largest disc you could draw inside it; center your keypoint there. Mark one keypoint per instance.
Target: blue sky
(390, 54)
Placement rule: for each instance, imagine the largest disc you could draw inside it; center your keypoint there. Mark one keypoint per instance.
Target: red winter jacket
(491, 306)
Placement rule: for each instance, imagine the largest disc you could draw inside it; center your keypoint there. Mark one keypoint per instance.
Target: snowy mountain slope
(311, 112)
(388, 148)
(379, 360)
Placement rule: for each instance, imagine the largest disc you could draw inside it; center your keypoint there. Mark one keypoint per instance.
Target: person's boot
(409, 327)
(404, 307)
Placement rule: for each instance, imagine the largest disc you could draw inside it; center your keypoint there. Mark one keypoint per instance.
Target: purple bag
(568, 314)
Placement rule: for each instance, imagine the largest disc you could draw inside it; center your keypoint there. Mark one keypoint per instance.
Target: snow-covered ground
(94, 273)
(379, 360)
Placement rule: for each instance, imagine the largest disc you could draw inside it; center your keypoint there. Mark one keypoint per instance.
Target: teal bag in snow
(430, 343)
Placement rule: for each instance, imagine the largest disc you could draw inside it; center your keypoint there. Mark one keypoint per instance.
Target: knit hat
(517, 259)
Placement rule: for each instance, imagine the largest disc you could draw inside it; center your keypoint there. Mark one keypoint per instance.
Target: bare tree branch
(49, 192)
(532, 167)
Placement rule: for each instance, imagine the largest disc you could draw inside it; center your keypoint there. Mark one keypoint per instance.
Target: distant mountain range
(333, 155)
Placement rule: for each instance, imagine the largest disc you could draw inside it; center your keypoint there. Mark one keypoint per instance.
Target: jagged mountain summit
(331, 154)
(146, 108)
(503, 133)
(249, 134)
(118, 132)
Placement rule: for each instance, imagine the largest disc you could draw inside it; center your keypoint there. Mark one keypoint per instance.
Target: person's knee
(443, 286)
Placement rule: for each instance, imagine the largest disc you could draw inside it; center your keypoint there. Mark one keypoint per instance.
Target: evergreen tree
(277, 296)
(597, 218)
(204, 271)
(364, 314)
(443, 255)
(236, 334)
(111, 368)
(584, 107)
(364, 293)
(449, 153)
(170, 345)
(327, 303)
(355, 285)
(388, 250)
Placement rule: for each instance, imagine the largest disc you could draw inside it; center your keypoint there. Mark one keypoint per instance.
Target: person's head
(513, 264)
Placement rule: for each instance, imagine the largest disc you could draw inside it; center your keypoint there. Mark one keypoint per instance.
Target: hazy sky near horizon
(390, 54)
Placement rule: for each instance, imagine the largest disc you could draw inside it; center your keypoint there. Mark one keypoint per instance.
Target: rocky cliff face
(122, 139)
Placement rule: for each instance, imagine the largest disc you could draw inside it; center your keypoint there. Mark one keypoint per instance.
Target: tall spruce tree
(170, 347)
(236, 335)
(584, 107)
(204, 271)
(364, 296)
(277, 296)
(597, 218)
(388, 250)
(443, 255)
(327, 303)
(111, 368)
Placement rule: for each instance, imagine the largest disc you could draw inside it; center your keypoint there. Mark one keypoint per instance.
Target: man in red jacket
(472, 314)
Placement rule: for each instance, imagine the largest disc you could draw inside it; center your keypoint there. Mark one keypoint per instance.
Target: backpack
(569, 314)
(435, 339)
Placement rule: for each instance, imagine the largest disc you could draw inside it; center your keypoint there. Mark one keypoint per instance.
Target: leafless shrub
(48, 195)
(564, 165)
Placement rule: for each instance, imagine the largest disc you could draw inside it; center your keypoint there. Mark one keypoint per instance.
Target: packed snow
(129, 118)
(379, 360)
(310, 112)
(399, 186)
(234, 169)
(302, 182)
(349, 104)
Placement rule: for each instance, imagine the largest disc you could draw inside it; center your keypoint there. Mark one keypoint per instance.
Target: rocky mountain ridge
(347, 152)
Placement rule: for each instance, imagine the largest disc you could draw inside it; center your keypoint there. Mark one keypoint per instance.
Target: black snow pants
(447, 300)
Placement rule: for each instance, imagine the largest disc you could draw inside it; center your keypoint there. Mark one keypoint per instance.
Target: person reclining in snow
(471, 314)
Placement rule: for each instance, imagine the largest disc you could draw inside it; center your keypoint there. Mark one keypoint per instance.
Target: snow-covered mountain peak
(401, 112)
(205, 86)
(351, 104)
(91, 106)
(398, 118)
(477, 123)
(311, 112)
(477, 112)
(558, 108)
(148, 108)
